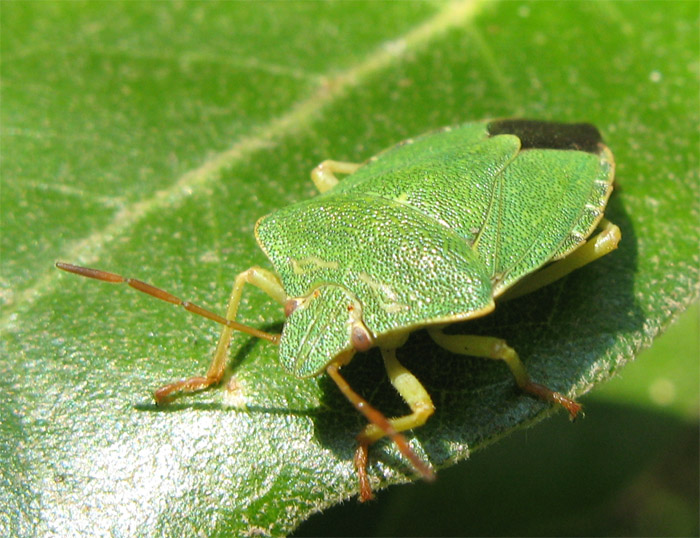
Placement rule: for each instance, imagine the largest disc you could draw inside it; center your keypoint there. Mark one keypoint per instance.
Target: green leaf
(629, 469)
(147, 138)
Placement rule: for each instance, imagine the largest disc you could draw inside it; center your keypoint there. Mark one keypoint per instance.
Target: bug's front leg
(258, 277)
(324, 175)
(489, 347)
(417, 398)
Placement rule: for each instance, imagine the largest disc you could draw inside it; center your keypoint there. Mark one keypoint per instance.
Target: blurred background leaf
(147, 138)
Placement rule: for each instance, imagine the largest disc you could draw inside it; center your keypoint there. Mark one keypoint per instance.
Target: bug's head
(324, 326)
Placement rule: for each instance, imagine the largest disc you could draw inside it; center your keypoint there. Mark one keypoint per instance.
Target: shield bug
(431, 231)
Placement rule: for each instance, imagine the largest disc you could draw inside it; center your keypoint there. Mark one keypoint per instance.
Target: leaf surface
(148, 138)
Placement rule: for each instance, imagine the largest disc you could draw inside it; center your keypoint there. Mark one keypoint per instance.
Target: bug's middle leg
(258, 277)
(324, 175)
(495, 348)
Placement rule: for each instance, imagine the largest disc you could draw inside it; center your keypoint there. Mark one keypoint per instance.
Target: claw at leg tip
(575, 412)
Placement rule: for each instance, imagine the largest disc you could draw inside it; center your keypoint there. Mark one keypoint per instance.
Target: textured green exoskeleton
(427, 233)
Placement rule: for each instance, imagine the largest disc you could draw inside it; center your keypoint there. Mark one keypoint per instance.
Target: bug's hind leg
(598, 246)
(495, 348)
(324, 175)
(258, 277)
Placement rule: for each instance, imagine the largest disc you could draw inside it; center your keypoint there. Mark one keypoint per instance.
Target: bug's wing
(405, 269)
(544, 205)
(521, 192)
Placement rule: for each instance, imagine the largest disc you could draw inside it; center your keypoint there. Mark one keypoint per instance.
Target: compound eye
(361, 339)
(290, 306)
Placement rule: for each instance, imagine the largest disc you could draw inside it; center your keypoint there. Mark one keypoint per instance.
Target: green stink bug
(429, 232)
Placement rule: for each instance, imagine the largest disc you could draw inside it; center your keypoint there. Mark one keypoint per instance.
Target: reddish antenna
(165, 296)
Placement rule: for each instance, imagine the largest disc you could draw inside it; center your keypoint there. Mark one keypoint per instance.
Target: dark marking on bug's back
(550, 135)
